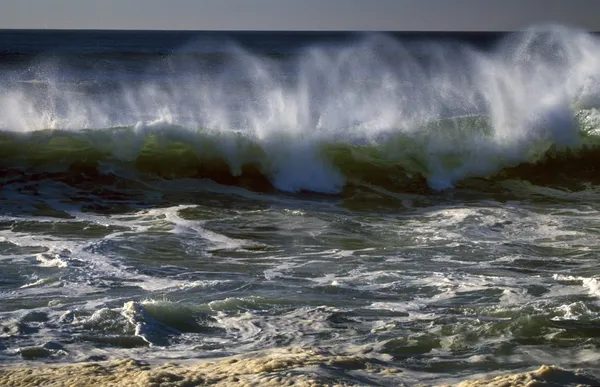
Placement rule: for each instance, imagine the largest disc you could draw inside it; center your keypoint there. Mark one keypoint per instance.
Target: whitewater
(181, 208)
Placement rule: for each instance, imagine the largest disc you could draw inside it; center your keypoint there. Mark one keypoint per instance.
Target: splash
(442, 110)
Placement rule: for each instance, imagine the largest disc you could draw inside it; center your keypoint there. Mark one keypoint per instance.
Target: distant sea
(334, 208)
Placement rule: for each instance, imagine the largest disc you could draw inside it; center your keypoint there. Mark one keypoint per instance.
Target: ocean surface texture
(351, 208)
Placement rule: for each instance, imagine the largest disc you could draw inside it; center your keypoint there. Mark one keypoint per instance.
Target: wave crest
(372, 109)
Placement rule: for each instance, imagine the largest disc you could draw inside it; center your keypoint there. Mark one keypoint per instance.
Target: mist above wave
(362, 92)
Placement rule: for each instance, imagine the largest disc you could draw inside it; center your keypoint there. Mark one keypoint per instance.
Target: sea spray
(280, 115)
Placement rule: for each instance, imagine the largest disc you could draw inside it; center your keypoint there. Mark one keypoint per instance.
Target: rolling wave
(368, 111)
(437, 155)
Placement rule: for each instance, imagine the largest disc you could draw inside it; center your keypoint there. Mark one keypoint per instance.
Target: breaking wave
(375, 111)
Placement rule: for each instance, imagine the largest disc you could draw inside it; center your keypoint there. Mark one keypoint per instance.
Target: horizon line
(267, 30)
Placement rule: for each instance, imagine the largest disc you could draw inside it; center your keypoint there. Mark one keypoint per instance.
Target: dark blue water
(167, 42)
(101, 54)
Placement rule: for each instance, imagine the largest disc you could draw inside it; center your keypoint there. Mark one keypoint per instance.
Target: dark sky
(298, 14)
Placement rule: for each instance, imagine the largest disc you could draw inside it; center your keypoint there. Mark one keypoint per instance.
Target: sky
(415, 15)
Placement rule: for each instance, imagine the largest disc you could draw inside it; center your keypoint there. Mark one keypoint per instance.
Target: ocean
(309, 208)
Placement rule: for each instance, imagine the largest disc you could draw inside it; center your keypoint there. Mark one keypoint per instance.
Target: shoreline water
(282, 367)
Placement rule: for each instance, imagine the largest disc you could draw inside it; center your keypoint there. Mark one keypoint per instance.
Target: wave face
(372, 109)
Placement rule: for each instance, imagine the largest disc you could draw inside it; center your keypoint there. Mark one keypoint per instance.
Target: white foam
(573, 311)
(514, 297)
(51, 260)
(146, 327)
(182, 226)
(41, 281)
(414, 309)
(356, 93)
(61, 250)
(592, 284)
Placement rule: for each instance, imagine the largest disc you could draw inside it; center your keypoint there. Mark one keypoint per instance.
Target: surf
(375, 110)
(398, 162)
